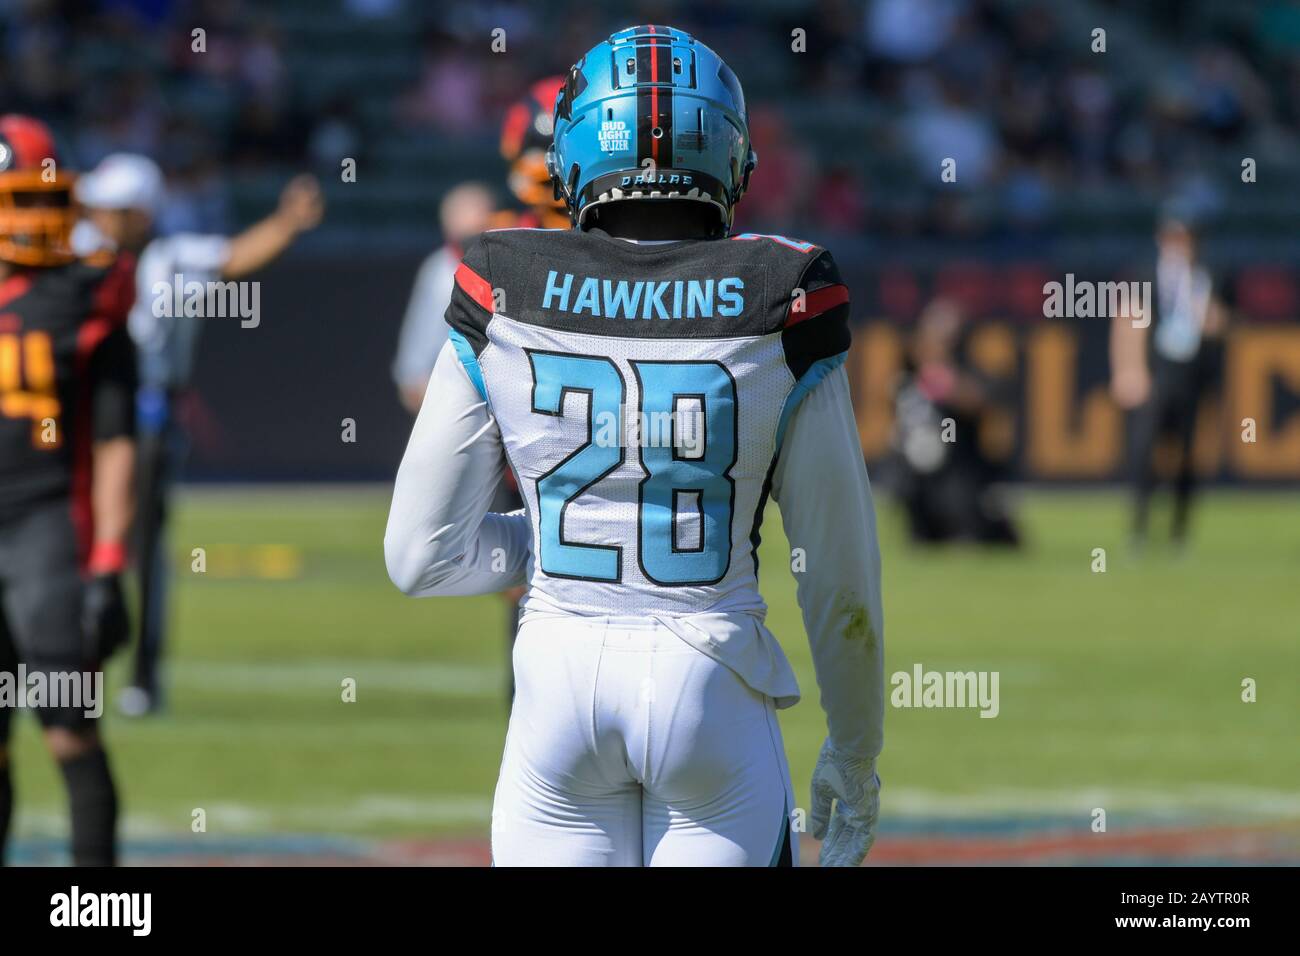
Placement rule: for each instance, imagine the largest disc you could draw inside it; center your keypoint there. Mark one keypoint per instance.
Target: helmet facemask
(36, 217)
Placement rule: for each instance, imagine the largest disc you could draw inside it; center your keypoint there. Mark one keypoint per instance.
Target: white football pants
(628, 747)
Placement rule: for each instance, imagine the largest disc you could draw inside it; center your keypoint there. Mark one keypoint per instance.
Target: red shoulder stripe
(816, 302)
(475, 286)
(15, 286)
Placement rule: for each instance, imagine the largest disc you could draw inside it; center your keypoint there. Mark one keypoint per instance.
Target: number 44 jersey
(67, 379)
(642, 391)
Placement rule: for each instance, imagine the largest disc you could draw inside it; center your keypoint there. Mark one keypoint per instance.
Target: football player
(466, 211)
(122, 197)
(67, 411)
(652, 380)
(526, 135)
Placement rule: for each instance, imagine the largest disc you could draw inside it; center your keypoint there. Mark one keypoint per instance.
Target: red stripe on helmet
(654, 100)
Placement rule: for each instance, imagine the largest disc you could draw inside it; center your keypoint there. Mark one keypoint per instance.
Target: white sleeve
(198, 257)
(440, 538)
(821, 485)
(424, 330)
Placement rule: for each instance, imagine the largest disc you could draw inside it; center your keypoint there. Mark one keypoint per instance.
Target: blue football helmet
(650, 114)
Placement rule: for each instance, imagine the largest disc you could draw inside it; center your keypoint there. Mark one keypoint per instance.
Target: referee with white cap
(121, 198)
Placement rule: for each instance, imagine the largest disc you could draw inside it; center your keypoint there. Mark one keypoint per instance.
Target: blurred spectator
(943, 124)
(909, 31)
(1228, 95)
(124, 117)
(261, 68)
(448, 95)
(373, 9)
(1088, 111)
(1011, 89)
(197, 198)
(783, 178)
(840, 204)
(264, 135)
(337, 133)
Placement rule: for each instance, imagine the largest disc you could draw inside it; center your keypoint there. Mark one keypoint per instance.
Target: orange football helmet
(525, 137)
(36, 214)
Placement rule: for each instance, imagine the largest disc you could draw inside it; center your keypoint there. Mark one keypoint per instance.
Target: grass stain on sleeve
(857, 620)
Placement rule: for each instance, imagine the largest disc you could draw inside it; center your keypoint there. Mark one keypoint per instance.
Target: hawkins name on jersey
(632, 299)
(565, 332)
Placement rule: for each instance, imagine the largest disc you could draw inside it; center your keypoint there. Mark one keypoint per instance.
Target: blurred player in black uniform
(949, 486)
(1164, 364)
(526, 134)
(67, 387)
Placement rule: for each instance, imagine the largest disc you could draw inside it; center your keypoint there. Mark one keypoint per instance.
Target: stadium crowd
(1045, 127)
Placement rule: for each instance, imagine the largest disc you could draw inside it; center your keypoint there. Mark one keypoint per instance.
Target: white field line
(1221, 804)
(239, 819)
(313, 676)
(1231, 804)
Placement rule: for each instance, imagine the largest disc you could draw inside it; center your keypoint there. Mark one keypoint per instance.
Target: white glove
(852, 783)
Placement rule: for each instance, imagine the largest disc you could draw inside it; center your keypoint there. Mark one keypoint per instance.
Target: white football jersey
(641, 391)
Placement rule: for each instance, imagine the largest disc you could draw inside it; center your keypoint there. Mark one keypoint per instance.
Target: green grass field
(1119, 690)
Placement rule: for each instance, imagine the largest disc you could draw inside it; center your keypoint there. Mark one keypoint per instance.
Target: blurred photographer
(947, 483)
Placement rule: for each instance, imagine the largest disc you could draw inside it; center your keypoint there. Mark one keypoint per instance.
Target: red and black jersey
(67, 379)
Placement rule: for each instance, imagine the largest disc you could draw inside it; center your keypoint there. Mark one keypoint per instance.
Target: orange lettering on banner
(1063, 442)
(1257, 359)
(875, 361)
(1207, 447)
(993, 352)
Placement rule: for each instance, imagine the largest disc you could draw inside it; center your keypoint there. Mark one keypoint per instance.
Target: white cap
(122, 181)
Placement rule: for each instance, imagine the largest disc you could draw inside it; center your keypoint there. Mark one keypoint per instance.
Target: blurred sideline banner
(1060, 424)
(273, 402)
(1065, 427)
